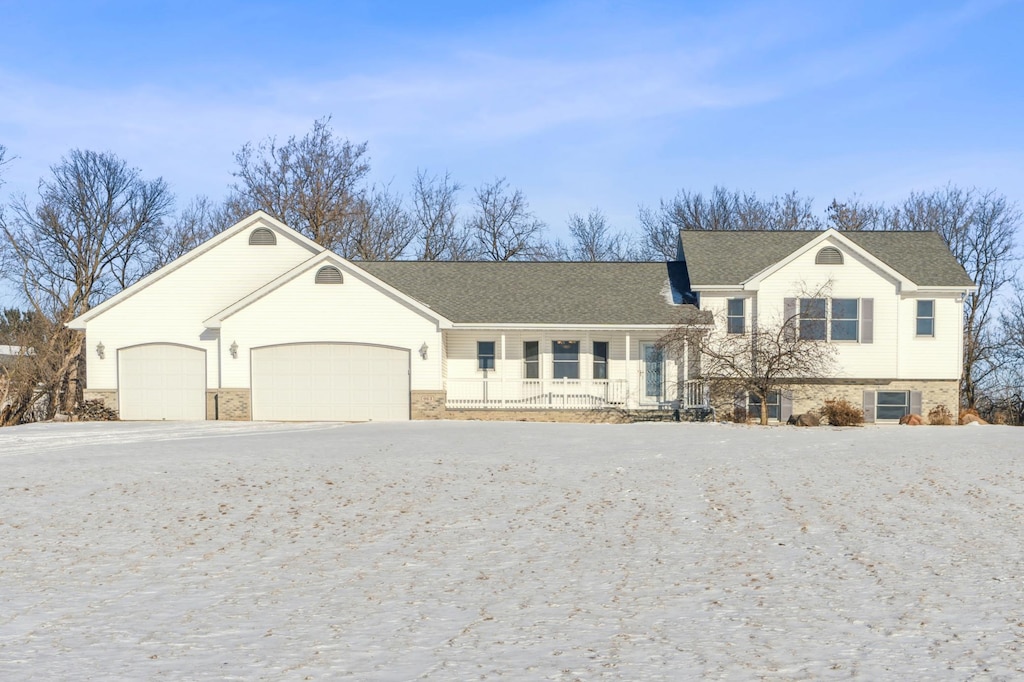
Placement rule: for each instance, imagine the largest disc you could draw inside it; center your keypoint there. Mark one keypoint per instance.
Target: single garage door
(162, 381)
(330, 382)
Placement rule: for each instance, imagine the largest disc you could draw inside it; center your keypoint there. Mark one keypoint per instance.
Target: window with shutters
(329, 274)
(261, 236)
(892, 404)
(833, 319)
(773, 405)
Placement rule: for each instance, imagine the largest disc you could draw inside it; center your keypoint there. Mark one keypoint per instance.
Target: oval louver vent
(829, 256)
(261, 236)
(329, 275)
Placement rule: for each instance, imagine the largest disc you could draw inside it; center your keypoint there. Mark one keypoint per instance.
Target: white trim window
(485, 355)
(925, 323)
(735, 316)
(831, 319)
(531, 359)
(600, 359)
(565, 356)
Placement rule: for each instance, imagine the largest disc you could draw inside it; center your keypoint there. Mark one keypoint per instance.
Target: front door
(653, 379)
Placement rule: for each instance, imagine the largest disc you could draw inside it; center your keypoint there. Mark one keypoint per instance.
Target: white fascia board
(831, 234)
(260, 218)
(924, 291)
(330, 258)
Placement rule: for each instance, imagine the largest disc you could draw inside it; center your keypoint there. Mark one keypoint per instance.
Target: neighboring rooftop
(540, 292)
(733, 256)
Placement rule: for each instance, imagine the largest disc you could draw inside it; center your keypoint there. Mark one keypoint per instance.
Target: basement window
(261, 236)
(329, 274)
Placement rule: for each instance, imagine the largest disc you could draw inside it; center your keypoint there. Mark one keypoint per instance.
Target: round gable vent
(829, 255)
(261, 236)
(329, 274)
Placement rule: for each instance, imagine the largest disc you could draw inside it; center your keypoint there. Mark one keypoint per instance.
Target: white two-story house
(891, 303)
(262, 323)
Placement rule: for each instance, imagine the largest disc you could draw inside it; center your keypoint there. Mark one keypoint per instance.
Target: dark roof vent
(261, 236)
(329, 274)
(829, 255)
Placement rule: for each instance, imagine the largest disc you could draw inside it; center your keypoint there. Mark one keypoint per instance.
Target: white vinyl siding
(301, 311)
(172, 309)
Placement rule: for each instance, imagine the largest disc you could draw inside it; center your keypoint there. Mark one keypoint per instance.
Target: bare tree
(980, 229)
(382, 230)
(313, 183)
(90, 235)
(435, 215)
(765, 359)
(594, 240)
(503, 226)
(199, 221)
(854, 215)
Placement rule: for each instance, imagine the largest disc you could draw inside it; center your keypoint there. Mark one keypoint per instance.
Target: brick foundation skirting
(230, 404)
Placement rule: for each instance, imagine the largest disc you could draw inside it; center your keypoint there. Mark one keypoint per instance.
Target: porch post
(501, 377)
(686, 373)
(629, 377)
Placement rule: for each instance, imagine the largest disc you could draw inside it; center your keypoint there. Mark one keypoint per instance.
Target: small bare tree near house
(768, 357)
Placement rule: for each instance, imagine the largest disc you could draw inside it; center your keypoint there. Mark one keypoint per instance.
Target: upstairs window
(261, 236)
(600, 359)
(844, 319)
(734, 316)
(926, 318)
(485, 355)
(812, 319)
(531, 359)
(566, 359)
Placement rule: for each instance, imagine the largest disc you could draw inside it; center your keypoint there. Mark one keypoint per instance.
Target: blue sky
(579, 104)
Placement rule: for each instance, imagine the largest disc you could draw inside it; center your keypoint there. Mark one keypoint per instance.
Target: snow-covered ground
(466, 551)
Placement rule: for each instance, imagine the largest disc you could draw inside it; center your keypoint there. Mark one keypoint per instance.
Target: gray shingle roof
(731, 257)
(539, 293)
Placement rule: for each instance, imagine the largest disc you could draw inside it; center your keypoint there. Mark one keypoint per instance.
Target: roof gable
(257, 219)
(315, 263)
(730, 258)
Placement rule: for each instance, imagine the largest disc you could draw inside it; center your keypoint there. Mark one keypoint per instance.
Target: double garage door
(293, 382)
(330, 382)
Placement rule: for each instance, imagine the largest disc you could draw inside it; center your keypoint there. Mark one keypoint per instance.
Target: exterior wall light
(423, 350)
(234, 350)
(101, 350)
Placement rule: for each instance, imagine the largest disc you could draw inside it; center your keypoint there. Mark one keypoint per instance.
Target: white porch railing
(560, 394)
(526, 394)
(695, 394)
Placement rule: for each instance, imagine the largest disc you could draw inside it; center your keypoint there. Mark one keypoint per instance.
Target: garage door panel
(330, 382)
(162, 381)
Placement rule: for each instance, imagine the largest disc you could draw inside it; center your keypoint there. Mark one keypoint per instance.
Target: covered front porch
(583, 368)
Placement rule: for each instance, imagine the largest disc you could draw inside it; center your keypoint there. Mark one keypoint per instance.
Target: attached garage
(159, 381)
(330, 382)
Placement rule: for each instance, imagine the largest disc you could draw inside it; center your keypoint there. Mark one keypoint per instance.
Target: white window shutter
(915, 402)
(789, 315)
(869, 407)
(867, 320)
(786, 407)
